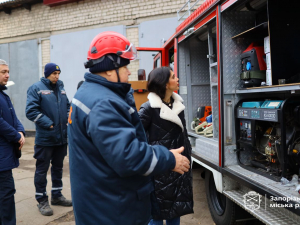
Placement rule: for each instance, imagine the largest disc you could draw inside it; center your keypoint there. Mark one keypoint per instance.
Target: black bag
(17, 152)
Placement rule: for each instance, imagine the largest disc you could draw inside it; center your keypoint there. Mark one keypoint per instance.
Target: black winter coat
(165, 126)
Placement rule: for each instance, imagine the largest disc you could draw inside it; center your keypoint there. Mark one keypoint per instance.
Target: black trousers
(45, 155)
(7, 199)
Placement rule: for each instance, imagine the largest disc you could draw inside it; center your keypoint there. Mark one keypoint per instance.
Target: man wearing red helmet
(111, 164)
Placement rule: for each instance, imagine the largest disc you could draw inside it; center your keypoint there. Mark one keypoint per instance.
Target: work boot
(45, 209)
(61, 201)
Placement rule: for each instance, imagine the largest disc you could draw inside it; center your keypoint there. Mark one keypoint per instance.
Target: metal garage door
(69, 51)
(22, 58)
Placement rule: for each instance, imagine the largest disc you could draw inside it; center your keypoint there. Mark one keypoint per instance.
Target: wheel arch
(216, 174)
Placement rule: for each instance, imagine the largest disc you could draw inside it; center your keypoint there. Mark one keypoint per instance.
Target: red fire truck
(238, 62)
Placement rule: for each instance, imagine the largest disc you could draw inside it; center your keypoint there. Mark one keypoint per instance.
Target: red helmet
(110, 42)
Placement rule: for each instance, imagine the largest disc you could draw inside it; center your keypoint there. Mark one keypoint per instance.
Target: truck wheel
(222, 209)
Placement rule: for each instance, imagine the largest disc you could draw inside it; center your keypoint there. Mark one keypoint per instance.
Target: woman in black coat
(163, 119)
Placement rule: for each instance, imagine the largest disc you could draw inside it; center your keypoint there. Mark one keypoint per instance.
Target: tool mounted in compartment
(253, 70)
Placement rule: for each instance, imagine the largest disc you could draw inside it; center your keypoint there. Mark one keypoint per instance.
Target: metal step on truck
(238, 63)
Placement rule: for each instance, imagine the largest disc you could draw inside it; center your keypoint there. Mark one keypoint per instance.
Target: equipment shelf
(258, 32)
(193, 134)
(273, 88)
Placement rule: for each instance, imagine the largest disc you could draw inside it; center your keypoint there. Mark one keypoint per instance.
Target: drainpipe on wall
(40, 57)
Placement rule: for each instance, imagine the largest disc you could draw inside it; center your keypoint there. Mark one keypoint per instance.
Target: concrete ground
(26, 205)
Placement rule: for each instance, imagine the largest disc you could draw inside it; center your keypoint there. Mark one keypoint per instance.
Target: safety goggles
(130, 52)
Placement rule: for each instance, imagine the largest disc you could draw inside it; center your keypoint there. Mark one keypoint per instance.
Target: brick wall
(133, 36)
(45, 53)
(43, 18)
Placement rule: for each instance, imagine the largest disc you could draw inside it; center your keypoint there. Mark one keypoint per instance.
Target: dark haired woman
(163, 119)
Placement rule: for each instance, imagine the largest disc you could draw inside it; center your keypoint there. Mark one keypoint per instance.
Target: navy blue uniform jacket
(9, 128)
(45, 108)
(111, 164)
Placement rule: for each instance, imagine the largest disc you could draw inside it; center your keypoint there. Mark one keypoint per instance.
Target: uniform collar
(47, 82)
(2, 88)
(120, 88)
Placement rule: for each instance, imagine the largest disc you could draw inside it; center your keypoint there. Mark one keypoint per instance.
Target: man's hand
(182, 163)
(51, 126)
(21, 141)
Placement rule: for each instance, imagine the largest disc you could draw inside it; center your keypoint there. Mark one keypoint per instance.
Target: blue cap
(50, 68)
(107, 64)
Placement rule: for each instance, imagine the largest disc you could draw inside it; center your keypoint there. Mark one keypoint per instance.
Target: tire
(222, 209)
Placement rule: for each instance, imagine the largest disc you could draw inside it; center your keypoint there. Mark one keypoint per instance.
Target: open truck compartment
(259, 58)
(270, 148)
(239, 76)
(198, 79)
(269, 24)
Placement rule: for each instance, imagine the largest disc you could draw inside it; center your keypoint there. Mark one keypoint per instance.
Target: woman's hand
(182, 163)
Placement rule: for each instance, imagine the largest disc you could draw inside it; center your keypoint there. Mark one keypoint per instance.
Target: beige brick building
(83, 14)
(33, 36)
(42, 21)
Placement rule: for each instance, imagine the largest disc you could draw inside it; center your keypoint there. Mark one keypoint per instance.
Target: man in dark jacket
(111, 164)
(11, 140)
(48, 107)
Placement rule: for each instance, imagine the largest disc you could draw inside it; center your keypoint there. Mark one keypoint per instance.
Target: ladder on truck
(189, 10)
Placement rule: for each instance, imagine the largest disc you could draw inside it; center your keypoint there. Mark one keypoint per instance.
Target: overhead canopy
(8, 5)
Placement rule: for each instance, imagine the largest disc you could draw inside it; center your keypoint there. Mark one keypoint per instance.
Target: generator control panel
(245, 130)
